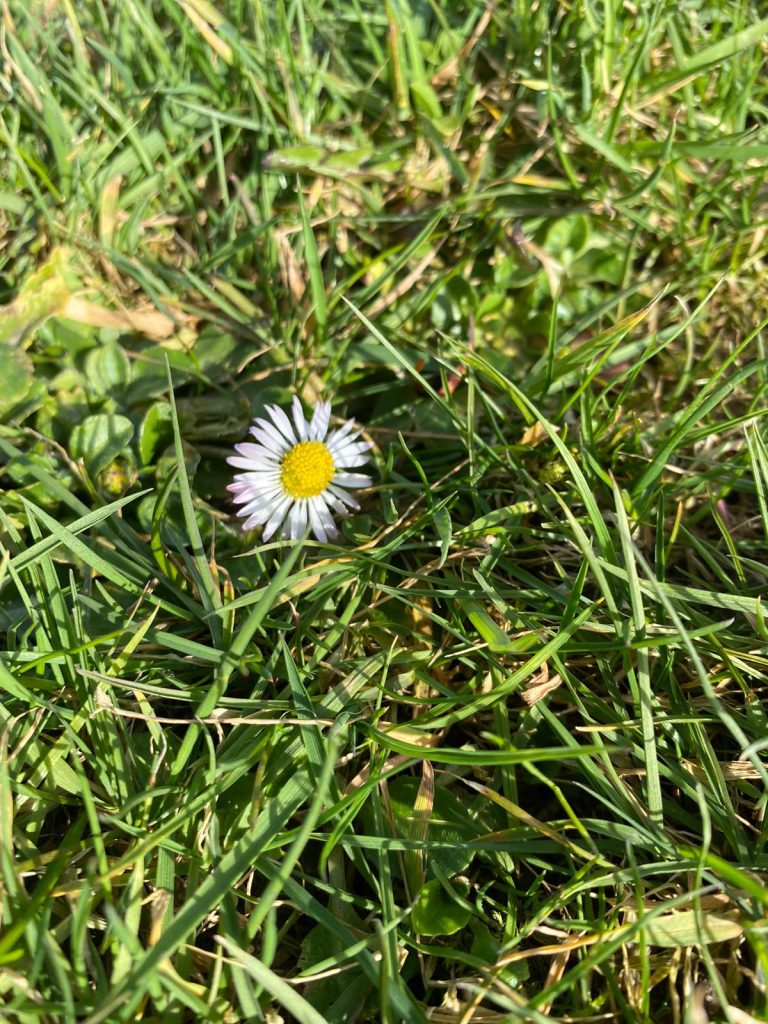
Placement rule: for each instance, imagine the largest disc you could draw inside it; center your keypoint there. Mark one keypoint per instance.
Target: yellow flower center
(306, 470)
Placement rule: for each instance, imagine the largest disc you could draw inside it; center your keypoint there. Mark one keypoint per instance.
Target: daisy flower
(297, 473)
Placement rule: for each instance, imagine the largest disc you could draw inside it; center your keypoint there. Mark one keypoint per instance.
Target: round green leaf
(99, 439)
(16, 377)
(436, 912)
(107, 369)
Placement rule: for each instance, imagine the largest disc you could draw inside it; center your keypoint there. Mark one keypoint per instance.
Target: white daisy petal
(257, 518)
(326, 518)
(282, 423)
(254, 477)
(261, 501)
(271, 438)
(332, 502)
(297, 520)
(262, 466)
(337, 451)
(255, 452)
(352, 480)
(344, 462)
(241, 463)
(276, 518)
(344, 496)
(261, 515)
(247, 497)
(343, 433)
(302, 427)
(352, 448)
(318, 428)
(315, 521)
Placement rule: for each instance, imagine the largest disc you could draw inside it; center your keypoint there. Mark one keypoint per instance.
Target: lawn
(496, 752)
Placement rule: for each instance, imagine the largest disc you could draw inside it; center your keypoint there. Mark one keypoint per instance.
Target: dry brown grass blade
(150, 323)
(418, 828)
